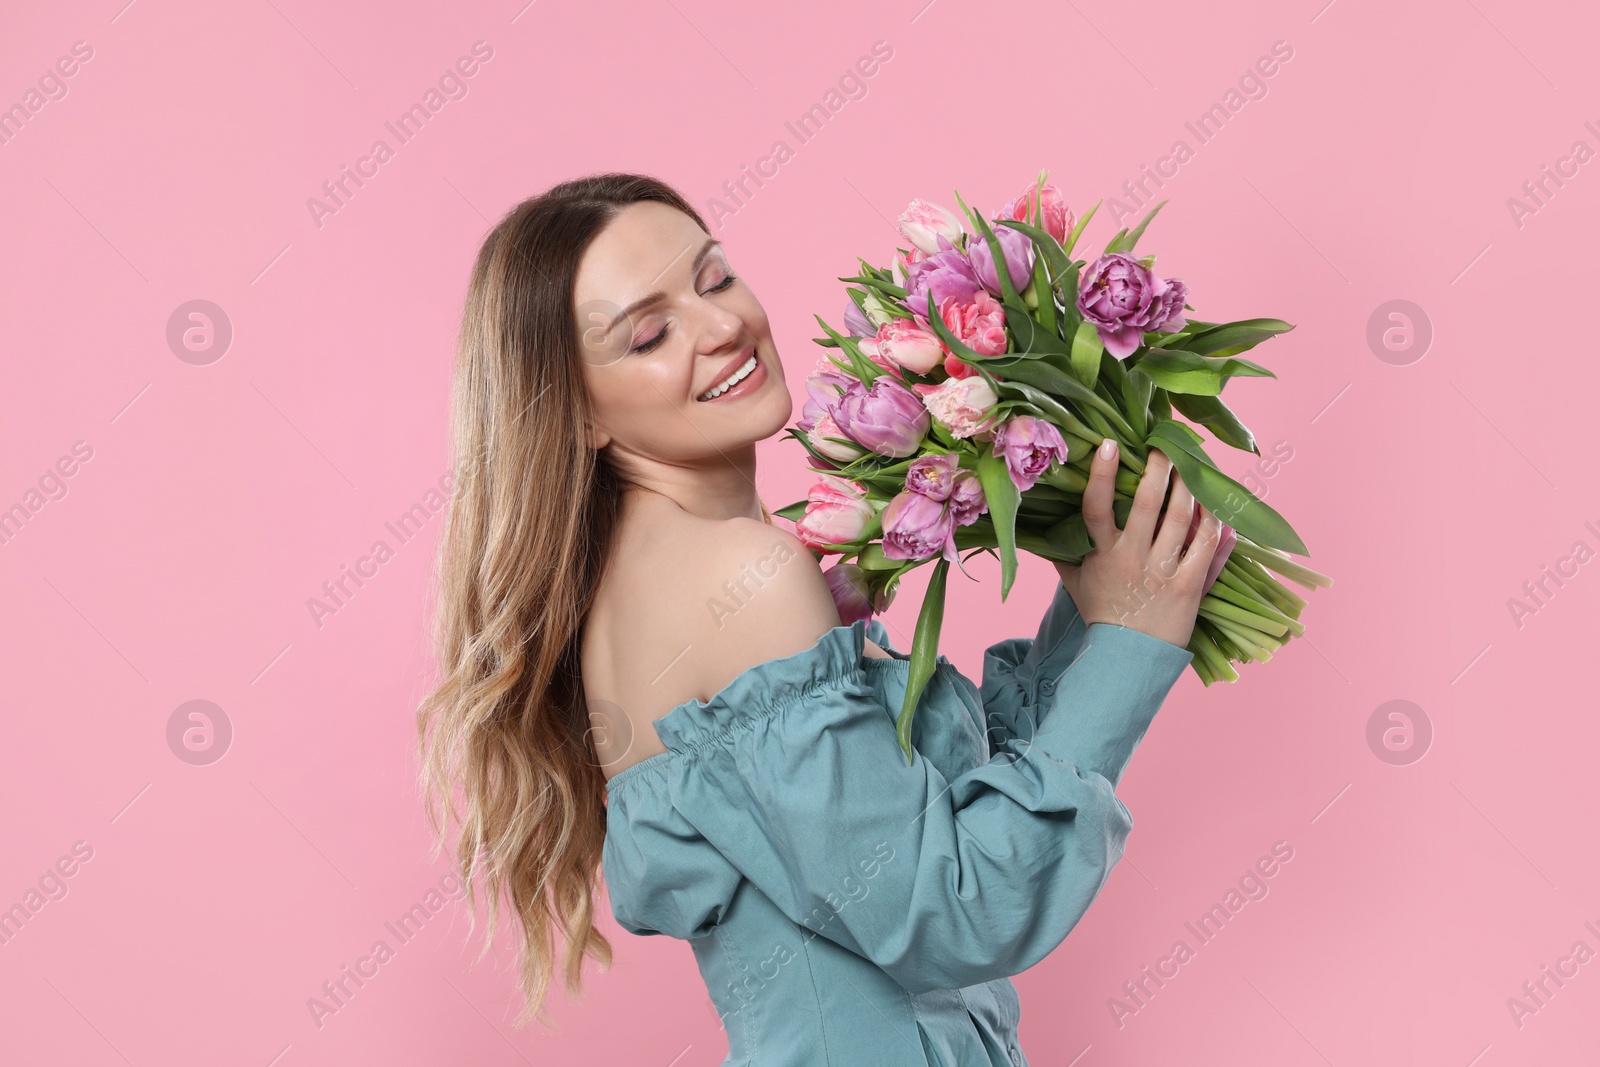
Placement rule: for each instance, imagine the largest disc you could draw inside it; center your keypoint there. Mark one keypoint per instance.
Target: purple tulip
(855, 322)
(967, 501)
(887, 418)
(946, 273)
(1028, 445)
(853, 594)
(933, 476)
(918, 527)
(822, 393)
(1125, 299)
(1018, 250)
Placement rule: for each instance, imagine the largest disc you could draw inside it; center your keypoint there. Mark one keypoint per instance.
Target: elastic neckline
(847, 640)
(853, 636)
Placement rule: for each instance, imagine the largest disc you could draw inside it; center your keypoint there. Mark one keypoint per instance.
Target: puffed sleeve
(794, 774)
(1021, 673)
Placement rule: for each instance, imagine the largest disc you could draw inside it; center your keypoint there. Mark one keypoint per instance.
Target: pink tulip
(904, 260)
(964, 406)
(980, 325)
(1226, 539)
(822, 434)
(923, 223)
(905, 344)
(872, 348)
(1058, 221)
(837, 513)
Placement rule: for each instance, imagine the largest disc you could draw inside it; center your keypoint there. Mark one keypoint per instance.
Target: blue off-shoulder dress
(847, 907)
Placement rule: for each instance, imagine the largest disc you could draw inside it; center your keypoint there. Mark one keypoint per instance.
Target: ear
(598, 438)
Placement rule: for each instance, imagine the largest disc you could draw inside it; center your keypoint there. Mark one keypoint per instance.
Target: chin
(771, 415)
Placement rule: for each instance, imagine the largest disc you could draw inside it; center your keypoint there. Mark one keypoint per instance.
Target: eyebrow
(660, 295)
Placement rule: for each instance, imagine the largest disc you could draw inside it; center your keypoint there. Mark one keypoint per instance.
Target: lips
(728, 371)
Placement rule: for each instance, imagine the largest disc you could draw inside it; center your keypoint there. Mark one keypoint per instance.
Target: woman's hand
(1140, 576)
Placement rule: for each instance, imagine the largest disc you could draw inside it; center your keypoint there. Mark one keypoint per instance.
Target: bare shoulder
(785, 606)
(768, 596)
(686, 606)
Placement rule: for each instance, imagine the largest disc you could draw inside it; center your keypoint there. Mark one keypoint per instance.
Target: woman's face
(662, 319)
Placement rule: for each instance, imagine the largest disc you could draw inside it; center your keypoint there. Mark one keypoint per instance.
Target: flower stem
(1201, 644)
(1282, 564)
(1242, 636)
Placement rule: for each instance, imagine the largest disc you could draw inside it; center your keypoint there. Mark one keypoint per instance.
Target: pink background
(179, 562)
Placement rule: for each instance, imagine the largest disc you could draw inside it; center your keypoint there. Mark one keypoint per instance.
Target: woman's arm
(942, 883)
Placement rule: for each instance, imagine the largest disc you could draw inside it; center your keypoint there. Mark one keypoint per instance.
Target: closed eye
(646, 346)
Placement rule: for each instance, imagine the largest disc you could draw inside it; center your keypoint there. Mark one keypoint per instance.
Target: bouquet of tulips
(961, 408)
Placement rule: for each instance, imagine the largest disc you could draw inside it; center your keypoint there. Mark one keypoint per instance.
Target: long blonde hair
(507, 730)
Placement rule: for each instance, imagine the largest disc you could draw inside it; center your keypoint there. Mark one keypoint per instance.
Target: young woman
(643, 677)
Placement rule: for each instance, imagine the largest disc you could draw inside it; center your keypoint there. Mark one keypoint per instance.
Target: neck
(758, 510)
(726, 492)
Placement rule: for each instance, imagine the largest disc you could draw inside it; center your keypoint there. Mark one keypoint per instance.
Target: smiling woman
(734, 774)
(605, 400)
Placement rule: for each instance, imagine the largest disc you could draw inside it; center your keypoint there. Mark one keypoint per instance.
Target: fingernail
(1108, 448)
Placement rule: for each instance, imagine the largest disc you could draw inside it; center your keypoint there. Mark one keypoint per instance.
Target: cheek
(661, 381)
(637, 394)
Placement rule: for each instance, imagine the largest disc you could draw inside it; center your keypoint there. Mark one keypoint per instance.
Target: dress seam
(746, 1023)
(816, 994)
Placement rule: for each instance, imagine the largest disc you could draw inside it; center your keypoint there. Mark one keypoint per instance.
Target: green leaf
(793, 512)
(1221, 495)
(805, 441)
(1029, 337)
(1069, 289)
(873, 465)
(862, 367)
(1127, 241)
(1114, 376)
(1086, 349)
(1077, 231)
(1180, 371)
(1071, 537)
(1045, 297)
(1001, 494)
(1136, 400)
(882, 286)
(1160, 405)
(1234, 337)
(1214, 415)
(873, 559)
(924, 654)
(1044, 374)
(1049, 409)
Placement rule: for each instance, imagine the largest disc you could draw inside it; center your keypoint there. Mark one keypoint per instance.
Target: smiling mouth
(744, 371)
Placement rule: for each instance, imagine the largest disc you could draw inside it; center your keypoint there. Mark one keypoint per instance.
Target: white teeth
(737, 377)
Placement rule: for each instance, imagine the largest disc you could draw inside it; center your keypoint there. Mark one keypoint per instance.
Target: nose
(720, 327)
